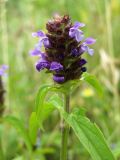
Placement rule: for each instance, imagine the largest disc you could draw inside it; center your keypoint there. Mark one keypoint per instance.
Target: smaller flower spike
(3, 69)
(64, 45)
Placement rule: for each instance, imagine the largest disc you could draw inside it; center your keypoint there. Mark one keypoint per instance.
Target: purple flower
(43, 39)
(76, 52)
(35, 52)
(78, 25)
(38, 34)
(88, 50)
(82, 62)
(3, 68)
(81, 50)
(85, 48)
(75, 32)
(90, 41)
(55, 66)
(58, 79)
(42, 64)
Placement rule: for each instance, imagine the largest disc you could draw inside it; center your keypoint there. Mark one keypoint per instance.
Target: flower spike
(64, 45)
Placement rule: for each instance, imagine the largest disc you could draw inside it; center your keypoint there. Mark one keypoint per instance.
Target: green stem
(65, 131)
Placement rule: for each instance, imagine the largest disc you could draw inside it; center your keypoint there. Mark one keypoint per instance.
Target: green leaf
(40, 100)
(49, 106)
(43, 109)
(47, 110)
(18, 125)
(89, 135)
(33, 127)
(79, 111)
(92, 80)
(55, 100)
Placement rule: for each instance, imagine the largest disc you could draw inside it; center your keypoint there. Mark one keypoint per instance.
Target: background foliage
(18, 18)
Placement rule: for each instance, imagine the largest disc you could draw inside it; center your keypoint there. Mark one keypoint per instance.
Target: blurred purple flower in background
(63, 45)
(3, 69)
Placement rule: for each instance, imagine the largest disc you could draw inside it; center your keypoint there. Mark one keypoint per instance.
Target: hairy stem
(65, 131)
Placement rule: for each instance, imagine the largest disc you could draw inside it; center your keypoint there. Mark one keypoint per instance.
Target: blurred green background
(18, 19)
